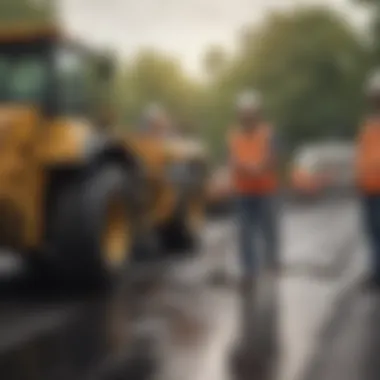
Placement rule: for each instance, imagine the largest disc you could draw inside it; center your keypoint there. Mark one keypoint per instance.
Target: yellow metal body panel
(153, 155)
(29, 147)
(150, 150)
(62, 141)
(21, 176)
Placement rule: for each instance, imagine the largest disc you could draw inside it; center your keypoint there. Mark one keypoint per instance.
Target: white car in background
(322, 169)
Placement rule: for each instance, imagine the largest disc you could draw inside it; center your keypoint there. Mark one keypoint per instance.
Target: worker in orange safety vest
(368, 175)
(253, 162)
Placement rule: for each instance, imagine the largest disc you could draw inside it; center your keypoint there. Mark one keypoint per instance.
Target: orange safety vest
(368, 157)
(253, 147)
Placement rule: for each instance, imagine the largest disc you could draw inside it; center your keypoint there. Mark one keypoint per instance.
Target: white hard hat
(373, 83)
(153, 111)
(248, 100)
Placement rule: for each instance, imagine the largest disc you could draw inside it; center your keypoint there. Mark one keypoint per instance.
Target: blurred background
(310, 61)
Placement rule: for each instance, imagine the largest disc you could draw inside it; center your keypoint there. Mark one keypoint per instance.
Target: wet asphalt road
(170, 322)
(351, 352)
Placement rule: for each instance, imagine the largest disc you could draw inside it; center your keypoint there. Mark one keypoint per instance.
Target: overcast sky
(182, 27)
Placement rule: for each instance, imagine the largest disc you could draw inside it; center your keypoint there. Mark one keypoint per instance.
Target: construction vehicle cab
(63, 178)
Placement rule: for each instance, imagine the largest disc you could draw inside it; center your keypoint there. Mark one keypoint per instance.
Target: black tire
(77, 225)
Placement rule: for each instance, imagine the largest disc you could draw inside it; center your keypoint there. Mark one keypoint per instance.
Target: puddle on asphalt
(159, 328)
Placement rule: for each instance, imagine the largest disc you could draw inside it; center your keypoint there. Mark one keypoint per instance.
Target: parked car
(321, 170)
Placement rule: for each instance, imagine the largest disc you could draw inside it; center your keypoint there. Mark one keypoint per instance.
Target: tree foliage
(214, 62)
(153, 77)
(374, 28)
(31, 11)
(308, 63)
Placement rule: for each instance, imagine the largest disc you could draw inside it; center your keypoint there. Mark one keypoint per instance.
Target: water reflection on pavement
(168, 322)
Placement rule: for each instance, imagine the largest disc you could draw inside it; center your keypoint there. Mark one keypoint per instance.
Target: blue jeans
(371, 213)
(257, 214)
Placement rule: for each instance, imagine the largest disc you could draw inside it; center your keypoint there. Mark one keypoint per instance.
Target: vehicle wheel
(91, 232)
(183, 232)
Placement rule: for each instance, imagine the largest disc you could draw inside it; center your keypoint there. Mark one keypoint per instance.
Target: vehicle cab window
(28, 80)
(73, 87)
(23, 76)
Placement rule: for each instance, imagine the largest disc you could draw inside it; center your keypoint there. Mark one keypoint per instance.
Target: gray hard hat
(248, 101)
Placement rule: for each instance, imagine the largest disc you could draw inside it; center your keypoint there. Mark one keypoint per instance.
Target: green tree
(31, 11)
(374, 28)
(309, 65)
(214, 62)
(154, 77)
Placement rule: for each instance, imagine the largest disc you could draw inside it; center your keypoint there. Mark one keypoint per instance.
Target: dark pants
(257, 215)
(371, 213)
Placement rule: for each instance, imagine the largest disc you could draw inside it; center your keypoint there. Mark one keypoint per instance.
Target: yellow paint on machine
(153, 152)
(21, 175)
(28, 147)
(62, 142)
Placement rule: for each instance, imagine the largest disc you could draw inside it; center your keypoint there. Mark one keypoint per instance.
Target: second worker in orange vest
(368, 176)
(253, 155)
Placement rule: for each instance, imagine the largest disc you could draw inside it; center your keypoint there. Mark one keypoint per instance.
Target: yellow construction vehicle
(65, 182)
(173, 194)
